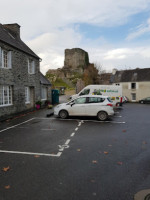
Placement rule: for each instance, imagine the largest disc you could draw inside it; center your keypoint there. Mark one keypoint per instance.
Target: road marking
(56, 119)
(67, 142)
(44, 129)
(72, 134)
(114, 122)
(31, 153)
(62, 147)
(24, 127)
(16, 125)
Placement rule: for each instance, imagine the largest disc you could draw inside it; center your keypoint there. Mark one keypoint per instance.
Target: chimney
(14, 29)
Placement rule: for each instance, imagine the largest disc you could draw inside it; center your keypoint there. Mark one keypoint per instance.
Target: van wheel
(102, 116)
(63, 114)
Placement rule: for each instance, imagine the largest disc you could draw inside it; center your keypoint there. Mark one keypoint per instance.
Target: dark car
(145, 100)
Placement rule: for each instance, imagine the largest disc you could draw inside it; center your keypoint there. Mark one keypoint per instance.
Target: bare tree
(99, 67)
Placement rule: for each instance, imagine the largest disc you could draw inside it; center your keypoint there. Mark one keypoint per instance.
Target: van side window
(84, 92)
(97, 92)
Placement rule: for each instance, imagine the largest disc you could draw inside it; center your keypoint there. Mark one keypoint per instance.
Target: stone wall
(79, 86)
(75, 62)
(19, 78)
(76, 58)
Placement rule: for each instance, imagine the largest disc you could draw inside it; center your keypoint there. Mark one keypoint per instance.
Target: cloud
(50, 47)
(139, 31)
(48, 27)
(37, 17)
(122, 58)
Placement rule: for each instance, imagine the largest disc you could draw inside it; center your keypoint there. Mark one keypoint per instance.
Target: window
(97, 92)
(31, 67)
(27, 95)
(96, 100)
(133, 96)
(5, 95)
(84, 92)
(5, 59)
(44, 93)
(81, 100)
(133, 85)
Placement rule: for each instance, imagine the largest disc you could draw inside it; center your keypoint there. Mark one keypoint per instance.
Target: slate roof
(7, 37)
(135, 75)
(44, 80)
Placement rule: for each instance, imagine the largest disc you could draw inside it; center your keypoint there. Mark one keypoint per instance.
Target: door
(133, 96)
(94, 105)
(78, 107)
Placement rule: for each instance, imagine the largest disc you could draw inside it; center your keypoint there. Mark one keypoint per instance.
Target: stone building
(76, 59)
(20, 85)
(135, 83)
(46, 90)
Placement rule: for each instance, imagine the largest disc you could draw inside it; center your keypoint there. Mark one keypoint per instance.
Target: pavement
(43, 112)
(76, 159)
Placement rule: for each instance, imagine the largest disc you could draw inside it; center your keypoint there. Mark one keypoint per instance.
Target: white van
(112, 91)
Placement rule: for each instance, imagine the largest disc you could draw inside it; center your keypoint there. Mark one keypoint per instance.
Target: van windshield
(84, 92)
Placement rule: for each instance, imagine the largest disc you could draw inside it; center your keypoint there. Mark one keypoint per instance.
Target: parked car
(87, 105)
(145, 100)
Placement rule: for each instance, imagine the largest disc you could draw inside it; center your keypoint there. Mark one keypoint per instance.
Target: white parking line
(61, 147)
(31, 153)
(16, 125)
(114, 122)
(67, 142)
(47, 129)
(72, 134)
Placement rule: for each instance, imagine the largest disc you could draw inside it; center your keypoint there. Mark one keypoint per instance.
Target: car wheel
(102, 116)
(63, 114)
(142, 101)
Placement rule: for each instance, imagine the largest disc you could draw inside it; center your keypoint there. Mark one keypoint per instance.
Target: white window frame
(133, 95)
(31, 66)
(5, 95)
(5, 59)
(44, 92)
(27, 95)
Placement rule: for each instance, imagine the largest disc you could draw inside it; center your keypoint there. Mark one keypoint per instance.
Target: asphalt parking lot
(77, 158)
